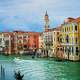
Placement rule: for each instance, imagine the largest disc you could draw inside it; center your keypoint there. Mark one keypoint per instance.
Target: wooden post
(2, 73)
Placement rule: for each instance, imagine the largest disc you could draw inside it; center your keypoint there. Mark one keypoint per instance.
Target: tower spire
(46, 13)
(46, 18)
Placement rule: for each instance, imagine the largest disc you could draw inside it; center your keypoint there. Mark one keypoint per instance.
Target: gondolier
(18, 76)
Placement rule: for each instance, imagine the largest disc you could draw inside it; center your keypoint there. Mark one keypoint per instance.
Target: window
(34, 46)
(7, 43)
(65, 49)
(76, 50)
(0, 40)
(25, 46)
(67, 39)
(61, 40)
(57, 33)
(25, 40)
(58, 39)
(34, 36)
(69, 50)
(25, 36)
(58, 49)
(19, 41)
(65, 29)
(61, 49)
(76, 40)
(75, 27)
(20, 47)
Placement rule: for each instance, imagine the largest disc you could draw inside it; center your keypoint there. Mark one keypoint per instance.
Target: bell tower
(46, 18)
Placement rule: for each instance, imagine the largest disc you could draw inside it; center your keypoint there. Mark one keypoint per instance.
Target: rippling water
(41, 69)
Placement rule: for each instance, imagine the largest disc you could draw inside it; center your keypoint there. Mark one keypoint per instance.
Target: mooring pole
(2, 73)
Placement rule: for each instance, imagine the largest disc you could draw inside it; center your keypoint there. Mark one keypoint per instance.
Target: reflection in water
(42, 70)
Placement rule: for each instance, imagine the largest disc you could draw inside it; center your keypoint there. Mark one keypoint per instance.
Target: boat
(17, 59)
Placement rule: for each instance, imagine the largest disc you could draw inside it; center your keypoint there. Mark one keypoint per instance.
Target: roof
(77, 20)
(69, 19)
(72, 20)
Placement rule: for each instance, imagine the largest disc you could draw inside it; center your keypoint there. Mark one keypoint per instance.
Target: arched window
(67, 39)
(75, 27)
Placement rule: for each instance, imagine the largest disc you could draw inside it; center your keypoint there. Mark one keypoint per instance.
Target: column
(9, 44)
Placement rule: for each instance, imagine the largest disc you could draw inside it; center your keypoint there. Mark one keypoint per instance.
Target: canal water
(40, 69)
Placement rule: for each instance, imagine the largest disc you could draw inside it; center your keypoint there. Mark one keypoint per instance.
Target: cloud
(29, 14)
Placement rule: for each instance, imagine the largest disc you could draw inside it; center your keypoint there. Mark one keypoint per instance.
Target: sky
(28, 15)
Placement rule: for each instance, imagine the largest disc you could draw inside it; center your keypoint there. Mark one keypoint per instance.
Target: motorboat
(17, 59)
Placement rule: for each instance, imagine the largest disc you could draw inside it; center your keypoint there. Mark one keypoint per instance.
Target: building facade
(25, 41)
(2, 43)
(33, 40)
(48, 42)
(57, 47)
(70, 38)
(51, 40)
(41, 43)
(6, 43)
(18, 42)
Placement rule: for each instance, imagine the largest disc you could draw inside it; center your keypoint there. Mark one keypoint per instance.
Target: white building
(48, 42)
(2, 43)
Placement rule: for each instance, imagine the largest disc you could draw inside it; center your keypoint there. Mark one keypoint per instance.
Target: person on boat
(18, 76)
(34, 53)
